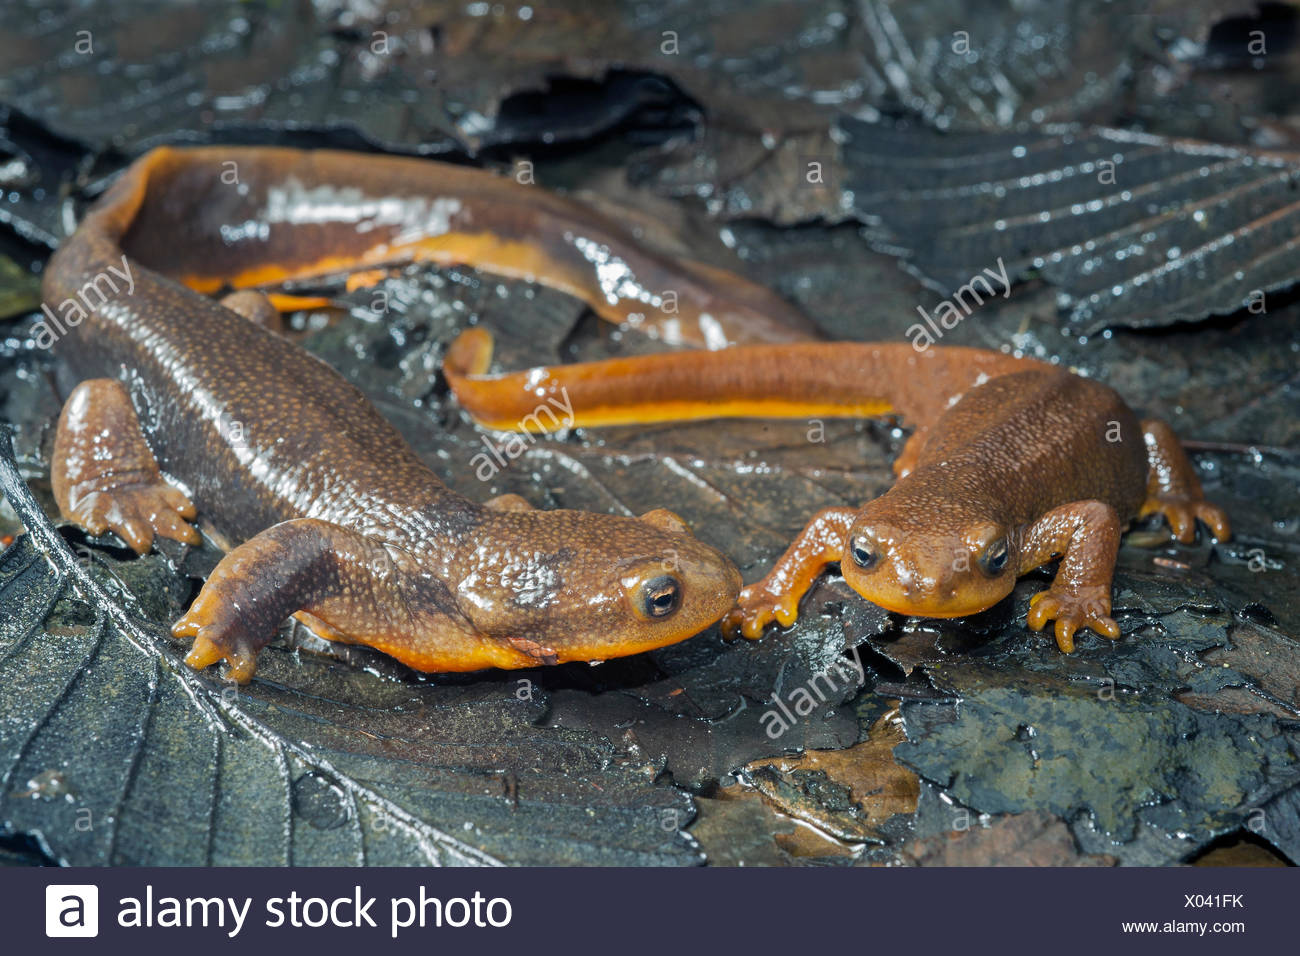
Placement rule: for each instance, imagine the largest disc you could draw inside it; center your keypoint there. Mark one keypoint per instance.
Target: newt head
(575, 586)
(927, 564)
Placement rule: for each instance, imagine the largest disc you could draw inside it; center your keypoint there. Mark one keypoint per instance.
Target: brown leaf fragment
(1269, 657)
(1241, 853)
(738, 828)
(848, 793)
(1023, 839)
(795, 179)
(1236, 700)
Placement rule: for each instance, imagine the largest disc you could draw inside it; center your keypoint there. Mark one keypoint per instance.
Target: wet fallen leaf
(1270, 656)
(738, 828)
(1110, 748)
(1131, 229)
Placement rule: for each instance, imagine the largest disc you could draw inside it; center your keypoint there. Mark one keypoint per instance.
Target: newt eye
(863, 551)
(994, 557)
(660, 596)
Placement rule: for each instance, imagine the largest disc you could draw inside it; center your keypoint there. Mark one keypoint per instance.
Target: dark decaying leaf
(401, 69)
(988, 65)
(993, 64)
(90, 73)
(1107, 747)
(1132, 229)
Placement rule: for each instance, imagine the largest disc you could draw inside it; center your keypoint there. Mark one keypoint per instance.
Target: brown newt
(1013, 462)
(243, 217)
(190, 407)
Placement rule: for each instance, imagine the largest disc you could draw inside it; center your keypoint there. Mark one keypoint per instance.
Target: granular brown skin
(1013, 462)
(189, 408)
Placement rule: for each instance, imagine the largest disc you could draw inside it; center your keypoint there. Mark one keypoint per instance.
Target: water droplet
(320, 801)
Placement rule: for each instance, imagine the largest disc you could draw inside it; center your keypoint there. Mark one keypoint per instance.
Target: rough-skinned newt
(228, 217)
(189, 407)
(1013, 462)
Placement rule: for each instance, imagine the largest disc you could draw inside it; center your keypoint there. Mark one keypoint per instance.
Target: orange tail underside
(800, 380)
(503, 257)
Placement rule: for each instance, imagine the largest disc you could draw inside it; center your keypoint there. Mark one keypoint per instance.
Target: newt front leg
(1087, 534)
(776, 597)
(106, 478)
(346, 585)
(303, 565)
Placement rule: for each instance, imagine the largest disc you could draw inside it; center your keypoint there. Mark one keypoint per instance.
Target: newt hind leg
(910, 454)
(105, 477)
(1173, 489)
(257, 307)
